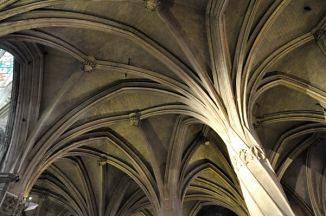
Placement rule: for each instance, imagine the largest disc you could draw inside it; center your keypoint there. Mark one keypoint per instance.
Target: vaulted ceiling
(112, 110)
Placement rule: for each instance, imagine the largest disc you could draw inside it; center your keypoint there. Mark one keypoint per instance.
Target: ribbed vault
(148, 107)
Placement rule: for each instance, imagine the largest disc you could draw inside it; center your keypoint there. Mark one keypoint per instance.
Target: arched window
(6, 77)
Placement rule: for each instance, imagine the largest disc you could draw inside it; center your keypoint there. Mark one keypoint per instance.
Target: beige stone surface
(167, 108)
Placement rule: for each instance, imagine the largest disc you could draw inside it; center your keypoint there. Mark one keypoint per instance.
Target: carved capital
(152, 4)
(254, 152)
(134, 119)
(89, 65)
(258, 152)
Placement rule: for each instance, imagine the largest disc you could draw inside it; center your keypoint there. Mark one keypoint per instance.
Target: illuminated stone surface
(164, 108)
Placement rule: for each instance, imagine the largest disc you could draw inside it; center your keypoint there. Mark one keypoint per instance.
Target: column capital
(253, 152)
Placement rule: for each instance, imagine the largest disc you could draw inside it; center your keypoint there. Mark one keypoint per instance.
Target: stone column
(171, 205)
(260, 187)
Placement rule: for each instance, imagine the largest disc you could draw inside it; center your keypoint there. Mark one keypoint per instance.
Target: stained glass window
(6, 75)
